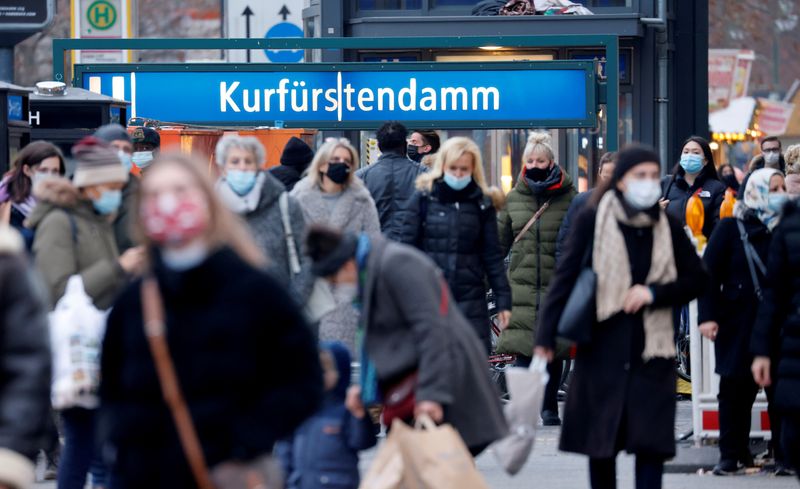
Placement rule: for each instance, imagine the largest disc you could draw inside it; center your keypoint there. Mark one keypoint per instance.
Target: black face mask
(414, 154)
(730, 181)
(537, 174)
(338, 172)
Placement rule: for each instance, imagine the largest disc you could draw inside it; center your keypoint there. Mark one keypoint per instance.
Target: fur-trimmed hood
(56, 193)
(354, 210)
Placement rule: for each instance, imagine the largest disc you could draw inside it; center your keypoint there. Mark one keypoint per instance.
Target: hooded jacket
(390, 181)
(71, 238)
(353, 210)
(266, 225)
(323, 452)
(533, 258)
(24, 364)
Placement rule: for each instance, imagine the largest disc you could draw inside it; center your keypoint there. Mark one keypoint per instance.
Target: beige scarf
(612, 265)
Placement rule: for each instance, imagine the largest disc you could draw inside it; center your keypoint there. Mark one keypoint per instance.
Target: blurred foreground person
(24, 365)
(622, 396)
(418, 349)
(230, 331)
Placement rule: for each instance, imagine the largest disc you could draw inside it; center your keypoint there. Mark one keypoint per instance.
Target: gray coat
(262, 213)
(414, 324)
(353, 211)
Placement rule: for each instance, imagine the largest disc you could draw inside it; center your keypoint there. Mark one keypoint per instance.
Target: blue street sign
(14, 111)
(284, 29)
(533, 94)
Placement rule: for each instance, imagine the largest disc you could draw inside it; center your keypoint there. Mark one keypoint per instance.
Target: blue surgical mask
(241, 182)
(692, 163)
(142, 159)
(775, 202)
(126, 160)
(456, 183)
(108, 202)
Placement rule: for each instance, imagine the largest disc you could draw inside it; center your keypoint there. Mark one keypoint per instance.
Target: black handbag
(575, 324)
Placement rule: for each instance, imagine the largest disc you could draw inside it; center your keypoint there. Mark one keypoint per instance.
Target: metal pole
(7, 64)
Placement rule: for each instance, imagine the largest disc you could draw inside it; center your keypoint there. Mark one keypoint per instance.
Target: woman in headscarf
(622, 396)
(735, 258)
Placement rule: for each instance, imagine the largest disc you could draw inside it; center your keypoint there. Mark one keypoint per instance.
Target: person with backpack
(735, 258)
(453, 219)
(73, 222)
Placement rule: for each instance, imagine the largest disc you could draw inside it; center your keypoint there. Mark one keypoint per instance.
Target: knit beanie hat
(97, 163)
(112, 132)
(631, 156)
(297, 153)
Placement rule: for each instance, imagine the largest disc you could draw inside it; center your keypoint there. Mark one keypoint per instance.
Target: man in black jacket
(391, 179)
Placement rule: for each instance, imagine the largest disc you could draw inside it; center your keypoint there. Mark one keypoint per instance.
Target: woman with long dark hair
(622, 396)
(35, 162)
(694, 174)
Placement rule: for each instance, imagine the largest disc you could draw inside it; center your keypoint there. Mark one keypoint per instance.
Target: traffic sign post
(101, 19)
(265, 20)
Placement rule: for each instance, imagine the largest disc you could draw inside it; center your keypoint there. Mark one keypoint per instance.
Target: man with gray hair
(275, 219)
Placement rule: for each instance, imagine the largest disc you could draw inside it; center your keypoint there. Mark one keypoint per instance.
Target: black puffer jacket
(391, 181)
(778, 320)
(24, 360)
(678, 191)
(458, 230)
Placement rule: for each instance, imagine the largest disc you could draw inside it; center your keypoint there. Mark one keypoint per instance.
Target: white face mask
(771, 158)
(642, 194)
(41, 177)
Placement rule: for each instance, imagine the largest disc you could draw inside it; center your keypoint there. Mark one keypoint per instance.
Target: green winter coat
(533, 258)
(82, 244)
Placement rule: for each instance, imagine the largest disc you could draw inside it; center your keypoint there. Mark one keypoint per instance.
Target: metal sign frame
(80, 71)
(608, 43)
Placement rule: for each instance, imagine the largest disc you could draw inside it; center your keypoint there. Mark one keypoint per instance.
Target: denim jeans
(79, 455)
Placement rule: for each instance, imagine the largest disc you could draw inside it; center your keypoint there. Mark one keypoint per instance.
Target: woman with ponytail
(529, 228)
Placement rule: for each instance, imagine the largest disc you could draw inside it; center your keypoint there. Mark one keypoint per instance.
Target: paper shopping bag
(386, 471)
(435, 457)
(526, 388)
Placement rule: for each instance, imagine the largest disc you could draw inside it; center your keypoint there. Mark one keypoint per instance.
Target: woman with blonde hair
(229, 328)
(792, 157)
(333, 195)
(529, 228)
(452, 218)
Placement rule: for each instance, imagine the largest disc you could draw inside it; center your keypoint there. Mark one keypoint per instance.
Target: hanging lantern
(726, 209)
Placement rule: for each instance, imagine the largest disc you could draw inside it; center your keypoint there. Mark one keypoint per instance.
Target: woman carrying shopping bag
(622, 396)
(74, 243)
(421, 350)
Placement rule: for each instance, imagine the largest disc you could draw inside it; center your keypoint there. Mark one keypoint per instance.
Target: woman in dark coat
(452, 218)
(622, 396)
(778, 323)
(695, 173)
(412, 333)
(728, 311)
(231, 330)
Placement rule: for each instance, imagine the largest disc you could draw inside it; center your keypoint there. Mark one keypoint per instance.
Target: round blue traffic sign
(284, 29)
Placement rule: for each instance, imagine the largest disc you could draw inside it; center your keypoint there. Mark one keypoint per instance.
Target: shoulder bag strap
(752, 256)
(153, 311)
(532, 221)
(291, 245)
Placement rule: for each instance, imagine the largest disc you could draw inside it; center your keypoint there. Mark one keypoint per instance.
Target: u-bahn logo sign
(442, 95)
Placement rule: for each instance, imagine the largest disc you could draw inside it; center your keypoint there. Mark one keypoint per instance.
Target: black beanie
(631, 156)
(297, 153)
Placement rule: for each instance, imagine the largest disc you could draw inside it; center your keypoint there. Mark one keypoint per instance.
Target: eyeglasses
(771, 150)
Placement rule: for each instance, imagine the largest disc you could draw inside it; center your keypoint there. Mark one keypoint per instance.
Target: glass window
(389, 4)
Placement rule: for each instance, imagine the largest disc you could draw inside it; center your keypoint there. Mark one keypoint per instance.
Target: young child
(323, 452)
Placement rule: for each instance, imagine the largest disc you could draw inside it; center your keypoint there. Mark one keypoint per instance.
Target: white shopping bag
(77, 328)
(526, 388)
